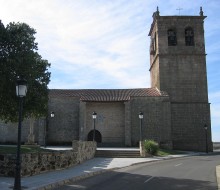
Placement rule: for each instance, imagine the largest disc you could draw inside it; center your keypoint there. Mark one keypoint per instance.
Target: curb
(72, 179)
(218, 176)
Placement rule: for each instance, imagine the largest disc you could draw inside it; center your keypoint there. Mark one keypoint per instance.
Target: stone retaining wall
(85, 150)
(35, 163)
(216, 145)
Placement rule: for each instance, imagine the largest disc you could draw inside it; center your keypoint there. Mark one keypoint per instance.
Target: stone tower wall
(184, 77)
(180, 70)
(188, 131)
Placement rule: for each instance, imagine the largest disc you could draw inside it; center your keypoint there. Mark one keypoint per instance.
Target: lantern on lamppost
(141, 116)
(206, 137)
(52, 114)
(94, 115)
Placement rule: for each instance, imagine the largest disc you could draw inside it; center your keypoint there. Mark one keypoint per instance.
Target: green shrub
(151, 147)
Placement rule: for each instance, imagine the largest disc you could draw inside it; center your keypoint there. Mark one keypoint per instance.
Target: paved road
(190, 173)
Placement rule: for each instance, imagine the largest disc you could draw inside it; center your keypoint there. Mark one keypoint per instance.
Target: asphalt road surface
(188, 173)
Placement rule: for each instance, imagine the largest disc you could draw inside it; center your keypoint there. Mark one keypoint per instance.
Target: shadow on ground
(125, 181)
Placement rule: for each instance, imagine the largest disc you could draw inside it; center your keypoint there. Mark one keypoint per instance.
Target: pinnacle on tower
(201, 12)
(157, 13)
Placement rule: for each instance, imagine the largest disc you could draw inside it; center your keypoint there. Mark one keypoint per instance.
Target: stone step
(118, 153)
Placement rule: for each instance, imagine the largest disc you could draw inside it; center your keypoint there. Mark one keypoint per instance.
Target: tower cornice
(156, 18)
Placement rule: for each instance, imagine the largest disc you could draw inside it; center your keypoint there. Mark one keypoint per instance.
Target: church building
(176, 109)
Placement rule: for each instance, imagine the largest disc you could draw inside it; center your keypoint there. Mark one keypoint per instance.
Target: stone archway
(98, 136)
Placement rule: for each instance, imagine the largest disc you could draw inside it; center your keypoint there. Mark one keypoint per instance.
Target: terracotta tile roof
(106, 95)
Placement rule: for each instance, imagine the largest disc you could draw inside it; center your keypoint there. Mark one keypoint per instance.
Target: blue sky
(105, 43)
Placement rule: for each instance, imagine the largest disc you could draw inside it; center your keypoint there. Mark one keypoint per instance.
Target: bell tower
(178, 66)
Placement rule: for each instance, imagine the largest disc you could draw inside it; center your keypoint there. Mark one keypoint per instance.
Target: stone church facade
(117, 122)
(175, 108)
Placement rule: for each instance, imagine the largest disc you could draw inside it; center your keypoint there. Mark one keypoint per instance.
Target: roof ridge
(99, 89)
(100, 95)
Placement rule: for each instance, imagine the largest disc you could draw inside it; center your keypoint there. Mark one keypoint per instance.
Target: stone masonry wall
(35, 163)
(127, 123)
(8, 131)
(64, 126)
(110, 121)
(183, 77)
(85, 150)
(188, 122)
(61, 129)
(156, 121)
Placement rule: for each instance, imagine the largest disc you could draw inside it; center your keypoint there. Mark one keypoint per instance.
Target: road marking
(149, 179)
(179, 164)
(206, 157)
(77, 186)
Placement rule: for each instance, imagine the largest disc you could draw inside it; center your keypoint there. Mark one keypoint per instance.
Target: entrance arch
(98, 136)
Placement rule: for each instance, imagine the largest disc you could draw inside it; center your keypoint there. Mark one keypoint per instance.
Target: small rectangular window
(189, 37)
(172, 41)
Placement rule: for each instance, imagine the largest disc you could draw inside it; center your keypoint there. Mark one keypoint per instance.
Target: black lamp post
(52, 114)
(141, 116)
(206, 137)
(94, 114)
(21, 90)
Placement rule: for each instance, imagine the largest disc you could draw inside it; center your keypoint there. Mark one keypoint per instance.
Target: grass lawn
(24, 149)
(166, 152)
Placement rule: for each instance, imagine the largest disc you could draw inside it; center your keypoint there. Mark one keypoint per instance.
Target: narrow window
(155, 41)
(189, 37)
(153, 46)
(171, 37)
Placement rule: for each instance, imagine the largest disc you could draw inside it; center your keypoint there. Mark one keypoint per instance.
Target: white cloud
(104, 44)
(95, 39)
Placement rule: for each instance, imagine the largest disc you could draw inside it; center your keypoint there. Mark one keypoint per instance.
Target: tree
(19, 57)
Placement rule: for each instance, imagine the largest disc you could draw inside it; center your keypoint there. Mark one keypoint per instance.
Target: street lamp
(21, 90)
(206, 137)
(52, 114)
(141, 116)
(94, 114)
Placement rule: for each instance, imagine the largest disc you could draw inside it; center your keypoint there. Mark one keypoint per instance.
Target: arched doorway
(98, 136)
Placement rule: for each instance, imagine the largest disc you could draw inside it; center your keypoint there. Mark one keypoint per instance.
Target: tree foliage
(19, 57)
